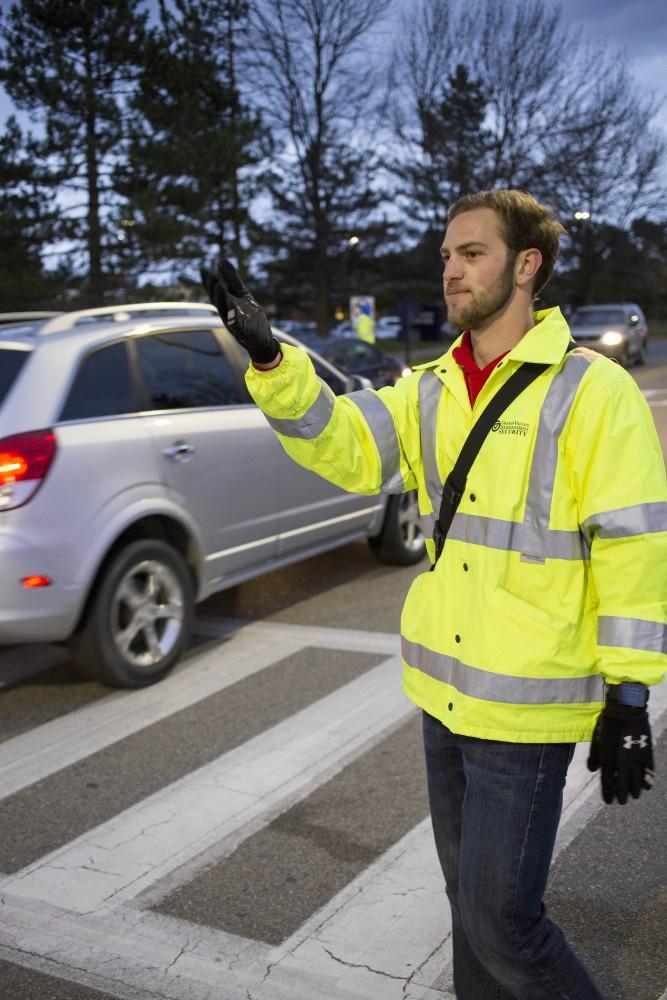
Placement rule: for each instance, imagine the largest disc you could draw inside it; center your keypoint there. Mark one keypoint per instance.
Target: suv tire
(139, 617)
(401, 541)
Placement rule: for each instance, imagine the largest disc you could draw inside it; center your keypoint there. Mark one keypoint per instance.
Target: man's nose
(452, 269)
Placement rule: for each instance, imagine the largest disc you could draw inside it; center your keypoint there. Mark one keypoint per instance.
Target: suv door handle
(179, 451)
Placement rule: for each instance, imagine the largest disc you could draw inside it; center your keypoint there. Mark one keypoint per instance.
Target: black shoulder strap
(455, 483)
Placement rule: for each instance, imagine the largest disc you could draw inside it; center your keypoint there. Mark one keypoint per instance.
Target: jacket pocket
(418, 605)
(520, 609)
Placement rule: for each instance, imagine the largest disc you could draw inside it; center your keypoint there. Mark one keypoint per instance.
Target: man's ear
(528, 263)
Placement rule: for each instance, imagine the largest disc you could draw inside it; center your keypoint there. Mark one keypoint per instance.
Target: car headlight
(612, 338)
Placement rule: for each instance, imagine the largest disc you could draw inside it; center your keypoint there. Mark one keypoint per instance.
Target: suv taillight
(25, 460)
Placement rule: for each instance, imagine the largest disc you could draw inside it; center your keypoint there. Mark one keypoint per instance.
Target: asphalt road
(256, 826)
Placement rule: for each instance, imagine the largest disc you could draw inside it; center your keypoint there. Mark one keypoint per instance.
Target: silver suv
(137, 478)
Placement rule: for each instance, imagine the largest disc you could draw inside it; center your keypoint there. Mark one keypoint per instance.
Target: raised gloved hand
(244, 318)
(621, 747)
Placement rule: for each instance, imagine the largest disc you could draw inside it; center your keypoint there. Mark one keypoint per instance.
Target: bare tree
(316, 84)
(563, 118)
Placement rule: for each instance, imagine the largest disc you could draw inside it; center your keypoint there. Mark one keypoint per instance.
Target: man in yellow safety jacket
(364, 326)
(543, 622)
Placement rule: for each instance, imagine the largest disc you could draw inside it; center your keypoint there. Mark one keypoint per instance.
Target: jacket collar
(544, 343)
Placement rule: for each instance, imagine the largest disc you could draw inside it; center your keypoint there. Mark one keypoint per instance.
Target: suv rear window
(11, 363)
(102, 386)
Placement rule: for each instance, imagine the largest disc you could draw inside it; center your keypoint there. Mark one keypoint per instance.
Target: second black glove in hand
(242, 315)
(621, 747)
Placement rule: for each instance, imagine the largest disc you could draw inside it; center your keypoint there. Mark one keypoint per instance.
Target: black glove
(244, 318)
(621, 747)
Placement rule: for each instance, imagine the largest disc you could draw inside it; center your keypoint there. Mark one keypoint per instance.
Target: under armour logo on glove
(621, 747)
(629, 742)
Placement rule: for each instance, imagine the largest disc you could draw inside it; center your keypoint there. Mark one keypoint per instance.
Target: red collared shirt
(475, 377)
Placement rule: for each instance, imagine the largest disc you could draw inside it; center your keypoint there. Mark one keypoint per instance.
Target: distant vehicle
(137, 477)
(295, 327)
(618, 330)
(359, 358)
(388, 328)
(343, 330)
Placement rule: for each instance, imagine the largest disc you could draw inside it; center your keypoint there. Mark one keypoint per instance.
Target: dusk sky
(636, 27)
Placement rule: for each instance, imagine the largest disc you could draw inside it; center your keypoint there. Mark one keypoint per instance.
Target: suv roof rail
(26, 316)
(121, 314)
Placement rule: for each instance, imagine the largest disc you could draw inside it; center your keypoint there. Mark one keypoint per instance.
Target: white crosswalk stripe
(655, 397)
(116, 861)
(83, 909)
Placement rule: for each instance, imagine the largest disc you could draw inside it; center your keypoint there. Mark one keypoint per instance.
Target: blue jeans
(495, 809)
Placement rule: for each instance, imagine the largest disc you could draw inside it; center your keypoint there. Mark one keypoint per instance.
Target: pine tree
(187, 182)
(69, 63)
(27, 217)
(453, 152)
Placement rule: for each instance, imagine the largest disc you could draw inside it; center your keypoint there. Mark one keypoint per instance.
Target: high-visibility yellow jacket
(365, 328)
(553, 578)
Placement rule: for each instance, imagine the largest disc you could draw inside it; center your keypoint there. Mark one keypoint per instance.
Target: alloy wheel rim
(147, 613)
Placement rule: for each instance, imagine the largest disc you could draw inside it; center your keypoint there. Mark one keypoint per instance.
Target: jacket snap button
(465, 567)
(458, 638)
(450, 706)
(473, 497)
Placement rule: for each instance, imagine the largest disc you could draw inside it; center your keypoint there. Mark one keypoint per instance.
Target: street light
(582, 215)
(353, 240)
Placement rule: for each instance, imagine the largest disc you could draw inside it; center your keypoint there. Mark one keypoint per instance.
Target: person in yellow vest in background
(364, 324)
(542, 621)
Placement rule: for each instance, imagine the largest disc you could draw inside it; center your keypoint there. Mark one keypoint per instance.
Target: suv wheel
(401, 541)
(139, 619)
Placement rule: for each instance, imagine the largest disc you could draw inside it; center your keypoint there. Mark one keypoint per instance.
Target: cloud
(637, 27)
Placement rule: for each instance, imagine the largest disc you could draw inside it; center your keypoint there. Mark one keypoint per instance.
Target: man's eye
(472, 253)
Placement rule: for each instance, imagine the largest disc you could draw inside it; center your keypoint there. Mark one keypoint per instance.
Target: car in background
(342, 330)
(356, 357)
(388, 328)
(137, 477)
(617, 330)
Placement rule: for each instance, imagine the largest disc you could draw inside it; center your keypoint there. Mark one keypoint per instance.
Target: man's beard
(485, 304)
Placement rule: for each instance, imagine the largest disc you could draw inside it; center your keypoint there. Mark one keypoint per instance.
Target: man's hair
(524, 223)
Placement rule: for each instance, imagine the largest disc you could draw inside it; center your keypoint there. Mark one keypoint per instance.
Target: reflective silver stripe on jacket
(382, 427)
(632, 633)
(643, 519)
(514, 536)
(313, 421)
(430, 389)
(553, 414)
(488, 686)
(532, 536)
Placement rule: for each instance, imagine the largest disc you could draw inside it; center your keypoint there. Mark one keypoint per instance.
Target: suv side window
(102, 386)
(183, 369)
